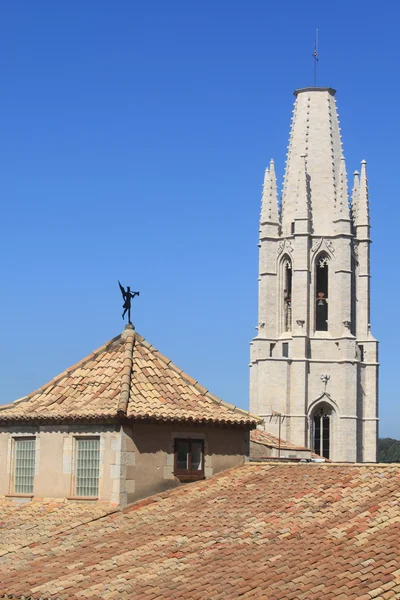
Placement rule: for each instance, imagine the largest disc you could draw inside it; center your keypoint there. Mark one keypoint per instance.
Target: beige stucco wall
(136, 460)
(54, 464)
(149, 455)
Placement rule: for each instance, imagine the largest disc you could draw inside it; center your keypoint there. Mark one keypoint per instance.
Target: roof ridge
(129, 334)
(194, 382)
(64, 373)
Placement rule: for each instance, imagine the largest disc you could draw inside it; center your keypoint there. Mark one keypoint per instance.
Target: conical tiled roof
(125, 378)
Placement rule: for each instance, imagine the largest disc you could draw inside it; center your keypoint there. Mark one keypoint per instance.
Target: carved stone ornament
(354, 249)
(300, 322)
(287, 264)
(329, 244)
(323, 261)
(347, 324)
(284, 245)
(317, 244)
(325, 378)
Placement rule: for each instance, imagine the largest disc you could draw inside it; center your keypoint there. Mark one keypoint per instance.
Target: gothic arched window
(321, 289)
(322, 430)
(287, 294)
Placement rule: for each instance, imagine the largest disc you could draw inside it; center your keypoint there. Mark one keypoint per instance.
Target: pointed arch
(322, 416)
(324, 397)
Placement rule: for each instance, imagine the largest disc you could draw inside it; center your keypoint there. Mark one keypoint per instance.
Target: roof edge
(314, 89)
(118, 418)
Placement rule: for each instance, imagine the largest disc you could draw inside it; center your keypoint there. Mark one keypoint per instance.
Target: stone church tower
(314, 360)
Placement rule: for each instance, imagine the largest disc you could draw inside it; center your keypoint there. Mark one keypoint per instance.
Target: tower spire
(269, 203)
(363, 202)
(314, 132)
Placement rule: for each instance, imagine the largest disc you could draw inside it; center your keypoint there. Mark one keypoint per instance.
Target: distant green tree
(388, 450)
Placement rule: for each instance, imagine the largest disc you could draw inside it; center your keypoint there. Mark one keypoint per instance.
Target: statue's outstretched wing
(123, 292)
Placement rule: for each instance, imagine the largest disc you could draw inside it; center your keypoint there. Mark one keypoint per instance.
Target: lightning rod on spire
(315, 55)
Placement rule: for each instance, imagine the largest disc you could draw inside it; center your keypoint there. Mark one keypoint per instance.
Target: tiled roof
(22, 525)
(129, 378)
(267, 439)
(273, 531)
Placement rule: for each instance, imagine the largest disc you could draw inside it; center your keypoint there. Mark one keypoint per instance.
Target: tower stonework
(314, 360)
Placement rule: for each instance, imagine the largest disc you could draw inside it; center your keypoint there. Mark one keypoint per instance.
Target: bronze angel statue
(127, 296)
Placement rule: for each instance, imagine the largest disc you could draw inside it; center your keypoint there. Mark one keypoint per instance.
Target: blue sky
(133, 144)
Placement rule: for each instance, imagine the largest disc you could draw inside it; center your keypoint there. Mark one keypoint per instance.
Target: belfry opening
(321, 285)
(287, 294)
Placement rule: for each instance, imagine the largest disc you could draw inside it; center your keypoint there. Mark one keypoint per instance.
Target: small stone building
(122, 424)
(265, 446)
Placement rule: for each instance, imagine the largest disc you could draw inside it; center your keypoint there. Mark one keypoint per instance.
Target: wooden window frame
(188, 474)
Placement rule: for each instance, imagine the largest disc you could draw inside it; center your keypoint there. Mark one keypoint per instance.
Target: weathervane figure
(127, 295)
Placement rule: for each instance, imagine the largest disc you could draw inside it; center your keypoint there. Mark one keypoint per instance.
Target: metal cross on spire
(315, 55)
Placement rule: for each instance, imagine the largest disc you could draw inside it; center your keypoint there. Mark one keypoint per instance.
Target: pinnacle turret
(274, 192)
(362, 216)
(342, 203)
(269, 203)
(354, 195)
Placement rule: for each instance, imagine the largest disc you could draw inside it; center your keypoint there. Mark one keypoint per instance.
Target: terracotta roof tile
(125, 377)
(30, 524)
(276, 531)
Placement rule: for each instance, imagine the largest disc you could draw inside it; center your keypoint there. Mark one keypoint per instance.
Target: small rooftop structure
(265, 446)
(122, 424)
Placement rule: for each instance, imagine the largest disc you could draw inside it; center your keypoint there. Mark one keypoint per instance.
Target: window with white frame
(87, 466)
(24, 465)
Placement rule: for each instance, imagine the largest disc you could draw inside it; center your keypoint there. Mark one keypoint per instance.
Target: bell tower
(314, 360)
